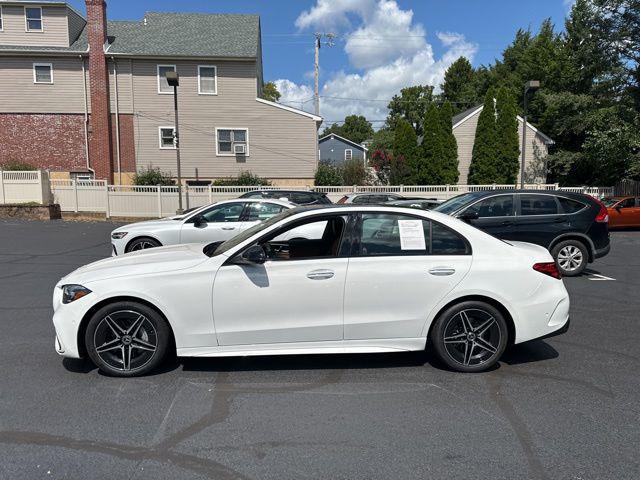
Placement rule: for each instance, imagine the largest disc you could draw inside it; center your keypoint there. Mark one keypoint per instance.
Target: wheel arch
(581, 237)
(479, 298)
(144, 235)
(82, 349)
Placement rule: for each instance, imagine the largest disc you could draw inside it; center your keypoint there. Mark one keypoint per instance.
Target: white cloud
(386, 47)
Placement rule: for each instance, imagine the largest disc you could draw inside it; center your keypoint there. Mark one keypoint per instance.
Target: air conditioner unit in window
(239, 148)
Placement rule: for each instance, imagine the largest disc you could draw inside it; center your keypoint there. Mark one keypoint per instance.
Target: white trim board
(290, 109)
(362, 147)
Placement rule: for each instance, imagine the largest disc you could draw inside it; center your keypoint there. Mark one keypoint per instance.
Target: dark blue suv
(572, 226)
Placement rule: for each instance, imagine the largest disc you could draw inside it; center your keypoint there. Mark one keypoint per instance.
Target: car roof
(284, 192)
(562, 193)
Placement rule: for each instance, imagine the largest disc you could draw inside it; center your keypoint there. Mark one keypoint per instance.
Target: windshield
(454, 203)
(610, 201)
(241, 237)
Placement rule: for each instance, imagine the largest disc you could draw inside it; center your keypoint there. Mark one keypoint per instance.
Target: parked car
(623, 211)
(572, 226)
(217, 222)
(256, 294)
(299, 197)
(372, 198)
(422, 203)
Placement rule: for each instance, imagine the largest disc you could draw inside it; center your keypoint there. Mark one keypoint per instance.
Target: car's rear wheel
(126, 339)
(142, 243)
(571, 257)
(470, 336)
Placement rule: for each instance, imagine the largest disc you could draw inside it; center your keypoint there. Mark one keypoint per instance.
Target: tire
(571, 257)
(469, 336)
(142, 243)
(127, 339)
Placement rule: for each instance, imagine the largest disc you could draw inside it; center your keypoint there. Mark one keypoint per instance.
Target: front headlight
(118, 235)
(71, 293)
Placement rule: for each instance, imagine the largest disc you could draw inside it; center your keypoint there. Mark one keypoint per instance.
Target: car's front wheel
(470, 336)
(126, 339)
(142, 243)
(571, 257)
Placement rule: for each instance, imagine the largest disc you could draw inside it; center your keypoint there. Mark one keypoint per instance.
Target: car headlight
(71, 293)
(118, 235)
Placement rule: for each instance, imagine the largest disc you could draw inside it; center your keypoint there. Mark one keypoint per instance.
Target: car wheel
(571, 257)
(470, 336)
(142, 243)
(126, 339)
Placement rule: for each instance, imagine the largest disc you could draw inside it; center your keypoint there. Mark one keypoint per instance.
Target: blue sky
(382, 44)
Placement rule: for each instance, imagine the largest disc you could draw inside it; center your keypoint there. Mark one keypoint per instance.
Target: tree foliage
(17, 166)
(245, 178)
(461, 85)
(152, 176)
(411, 106)
(327, 175)
(355, 128)
(507, 146)
(270, 92)
(450, 172)
(484, 167)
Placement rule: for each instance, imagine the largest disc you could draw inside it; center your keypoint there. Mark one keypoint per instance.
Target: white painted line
(598, 277)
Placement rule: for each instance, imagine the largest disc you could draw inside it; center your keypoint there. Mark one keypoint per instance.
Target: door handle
(320, 274)
(228, 228)
(442, 271)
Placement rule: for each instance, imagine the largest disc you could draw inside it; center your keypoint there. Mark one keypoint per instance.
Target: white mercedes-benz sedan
(209, 223)
(377, 279)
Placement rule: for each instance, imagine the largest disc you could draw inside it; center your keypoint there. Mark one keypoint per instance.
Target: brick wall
(50, 141)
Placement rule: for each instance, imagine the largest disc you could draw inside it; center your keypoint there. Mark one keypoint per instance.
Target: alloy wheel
(570, 258)
(125, 340)
(472, 337)
(142, 245)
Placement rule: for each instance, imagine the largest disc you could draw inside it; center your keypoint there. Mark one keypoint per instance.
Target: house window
(232, 141)
(348, 154)
(163, 85)
(33, 19)
(167, 138)
(43, 73)
(207, 80)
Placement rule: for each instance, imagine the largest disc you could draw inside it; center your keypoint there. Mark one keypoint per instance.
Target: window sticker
(411, 235)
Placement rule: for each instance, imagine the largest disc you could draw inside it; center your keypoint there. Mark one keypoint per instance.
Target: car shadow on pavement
(529, 352)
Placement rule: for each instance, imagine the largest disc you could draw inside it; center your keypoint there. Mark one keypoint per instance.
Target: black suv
(572, 226)
(299, 197)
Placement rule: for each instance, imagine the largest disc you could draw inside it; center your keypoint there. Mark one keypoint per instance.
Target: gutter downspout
(86, 117)
(115, 84)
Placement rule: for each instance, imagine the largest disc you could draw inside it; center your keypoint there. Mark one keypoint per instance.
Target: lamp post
(531, 85)
(174, 81)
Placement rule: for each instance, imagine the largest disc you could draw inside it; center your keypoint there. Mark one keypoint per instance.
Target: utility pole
(316, 69)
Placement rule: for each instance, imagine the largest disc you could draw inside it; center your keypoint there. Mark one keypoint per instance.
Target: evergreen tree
(426, 167)
(411, 105)
(484, 167)
(405, 142)
(450, 170)
(507, 147)
(460, 86)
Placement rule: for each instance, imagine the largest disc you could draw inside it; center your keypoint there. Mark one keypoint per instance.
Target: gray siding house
(464, 129)
(84, 96)
(335, 150)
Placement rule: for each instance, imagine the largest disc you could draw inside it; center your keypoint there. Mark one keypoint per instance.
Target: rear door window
(538, 205)
(570, 206)
(498, 206)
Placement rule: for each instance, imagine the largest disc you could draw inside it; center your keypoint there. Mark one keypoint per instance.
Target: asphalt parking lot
(562, 408)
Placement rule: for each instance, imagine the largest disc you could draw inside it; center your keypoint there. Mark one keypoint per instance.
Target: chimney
(100, 137)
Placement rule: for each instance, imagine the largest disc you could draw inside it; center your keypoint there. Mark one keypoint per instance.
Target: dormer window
(33, 19)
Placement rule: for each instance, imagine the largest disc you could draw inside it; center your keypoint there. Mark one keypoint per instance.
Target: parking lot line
(598, 277)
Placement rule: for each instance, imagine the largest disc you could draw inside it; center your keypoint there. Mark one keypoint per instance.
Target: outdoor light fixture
(531, 85)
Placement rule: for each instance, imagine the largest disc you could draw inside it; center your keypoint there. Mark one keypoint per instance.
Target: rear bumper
(599, 253)
(563, 329)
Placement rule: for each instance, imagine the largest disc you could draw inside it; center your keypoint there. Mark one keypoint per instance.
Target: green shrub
(327, 175)
(353, 172)
(16, 166)
(244, 179)
(152, 176)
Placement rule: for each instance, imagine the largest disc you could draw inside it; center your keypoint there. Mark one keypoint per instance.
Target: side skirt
(307, 348)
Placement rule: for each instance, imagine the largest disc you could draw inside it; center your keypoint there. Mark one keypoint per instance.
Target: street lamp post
(174, 81)
(531, 85)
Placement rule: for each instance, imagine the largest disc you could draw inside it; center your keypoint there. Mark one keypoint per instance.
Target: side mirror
(467, 216)
(255, 254)
(199, 221)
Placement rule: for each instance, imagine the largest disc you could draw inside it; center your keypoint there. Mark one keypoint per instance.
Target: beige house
(88, 98)
(464, 129)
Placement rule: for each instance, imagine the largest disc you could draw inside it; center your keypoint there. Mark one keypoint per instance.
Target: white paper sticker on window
(411, 235)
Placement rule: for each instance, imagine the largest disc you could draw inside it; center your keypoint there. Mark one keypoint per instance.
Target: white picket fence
(24, 187)
(157, 201)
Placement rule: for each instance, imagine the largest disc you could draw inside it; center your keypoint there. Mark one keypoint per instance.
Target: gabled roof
(201, 35)
(346, 140)
(462, 117)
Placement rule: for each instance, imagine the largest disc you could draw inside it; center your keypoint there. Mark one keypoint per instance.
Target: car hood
(148, 224)
(152, 260)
